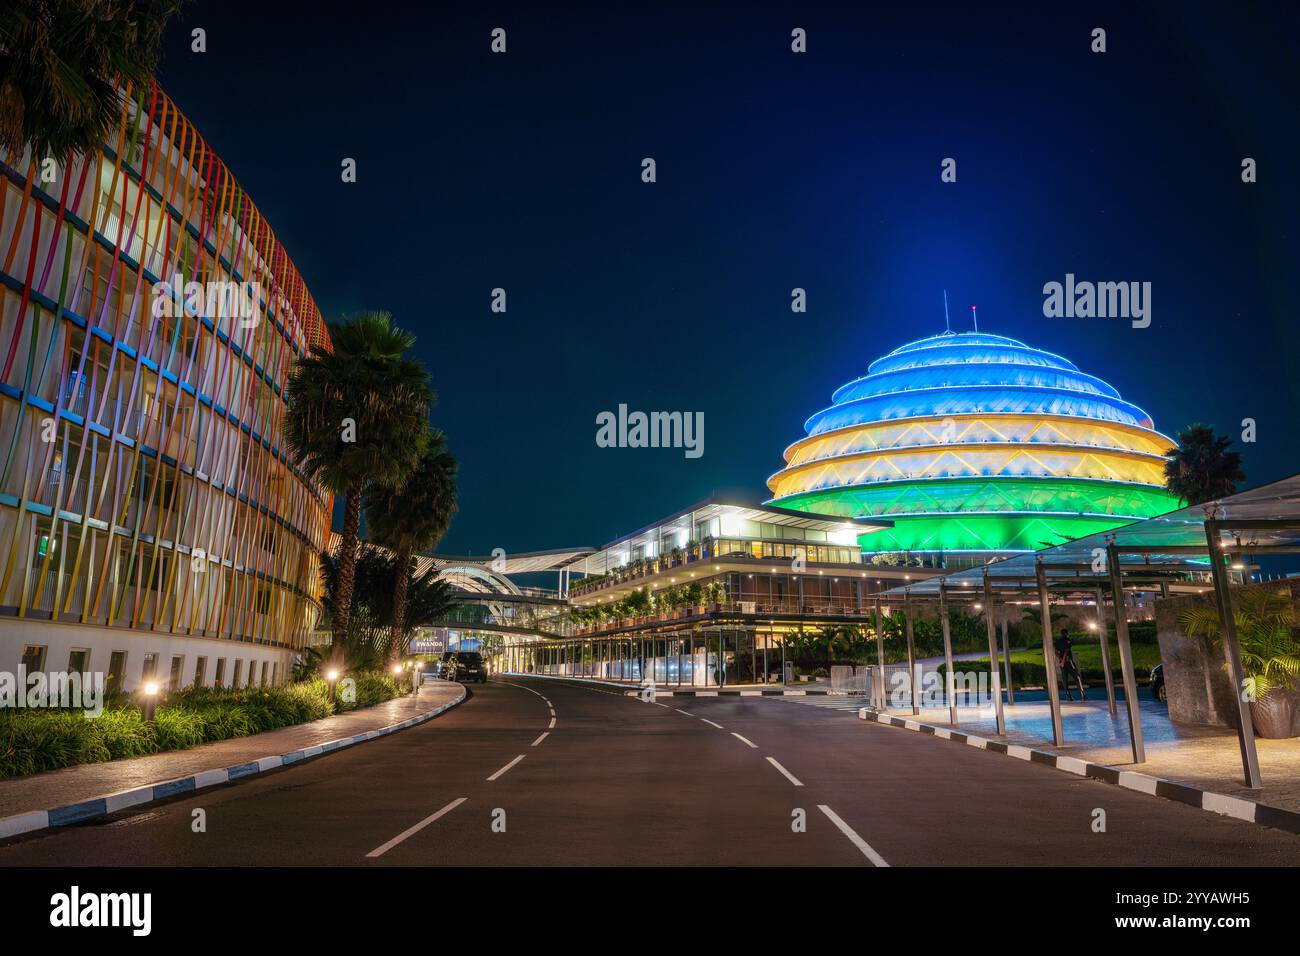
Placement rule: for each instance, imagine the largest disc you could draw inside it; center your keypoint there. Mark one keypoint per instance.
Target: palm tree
(1201, 468)
(414, 516)
(62, 63)
(357, 416)
(1267, 624)
(836, 637)
(1036, 615)
(371, 636)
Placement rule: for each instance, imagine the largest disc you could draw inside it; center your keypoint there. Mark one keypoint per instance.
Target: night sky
(775, 170)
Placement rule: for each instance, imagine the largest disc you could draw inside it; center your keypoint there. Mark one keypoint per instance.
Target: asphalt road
(534, 772)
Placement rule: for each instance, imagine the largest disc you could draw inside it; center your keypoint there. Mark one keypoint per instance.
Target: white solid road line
(856, 840)
(744, 740)
(506, 767)
(551, 725)
(527, 688)
(545, 734)
(686, 712)
(711, 723)
(381, 850)
(787, 774)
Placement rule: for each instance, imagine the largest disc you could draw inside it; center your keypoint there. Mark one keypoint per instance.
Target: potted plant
(1270, 653)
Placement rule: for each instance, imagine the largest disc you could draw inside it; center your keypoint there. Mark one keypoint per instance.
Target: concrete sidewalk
(1205, 758)
(74, 786)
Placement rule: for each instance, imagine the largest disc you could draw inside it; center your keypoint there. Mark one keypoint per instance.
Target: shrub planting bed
(32, 741)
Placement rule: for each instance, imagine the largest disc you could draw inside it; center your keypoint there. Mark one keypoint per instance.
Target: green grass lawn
(1027, 665)
(1089, 656)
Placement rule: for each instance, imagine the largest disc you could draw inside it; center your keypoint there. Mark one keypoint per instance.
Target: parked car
(440, 666)
(1158, 684)
(464, 666)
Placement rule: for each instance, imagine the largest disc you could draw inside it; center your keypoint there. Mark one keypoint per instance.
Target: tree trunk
(347, 569)
(400, 583)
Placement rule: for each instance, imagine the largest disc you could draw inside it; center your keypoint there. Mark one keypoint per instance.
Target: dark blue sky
(775, 170)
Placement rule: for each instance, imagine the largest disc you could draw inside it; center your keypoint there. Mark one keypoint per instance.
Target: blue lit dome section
(971, 442)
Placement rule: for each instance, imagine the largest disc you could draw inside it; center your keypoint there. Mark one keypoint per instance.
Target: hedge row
(32, 741)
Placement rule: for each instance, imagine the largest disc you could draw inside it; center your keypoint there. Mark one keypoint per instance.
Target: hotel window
(33, 658)
(44, 544)
(266, 666)
(275, 667)
(79, 661)
(175, 676)
(116, 670)
(220, 677)
(200, 671)
(239, 673)
(150, 669)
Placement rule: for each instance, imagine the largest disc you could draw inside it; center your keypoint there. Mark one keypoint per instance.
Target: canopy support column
(1049, 654)
(994, 664)
(1006, 657)
(1120, 601)
(1232, 651)
(1105, 653)
(950, 679)
(878, 685)
(912, 682)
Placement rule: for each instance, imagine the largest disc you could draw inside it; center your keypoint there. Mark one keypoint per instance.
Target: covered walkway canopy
(1194, 549)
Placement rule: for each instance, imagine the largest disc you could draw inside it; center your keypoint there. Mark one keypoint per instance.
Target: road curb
(1235, 807)
(637, 691)
(83, 810)
(732, 693)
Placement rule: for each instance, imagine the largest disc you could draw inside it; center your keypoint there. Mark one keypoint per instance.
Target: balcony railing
(824, 607)
(687, 557)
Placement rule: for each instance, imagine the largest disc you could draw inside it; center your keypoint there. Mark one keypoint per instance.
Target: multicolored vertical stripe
(143, 478)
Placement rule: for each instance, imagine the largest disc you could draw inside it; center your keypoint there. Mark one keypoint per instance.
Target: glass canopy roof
(1256, 521)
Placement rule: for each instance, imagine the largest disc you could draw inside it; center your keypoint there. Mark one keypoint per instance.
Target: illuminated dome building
(976, 444)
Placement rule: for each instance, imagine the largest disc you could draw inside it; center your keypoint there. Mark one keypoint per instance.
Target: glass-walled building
(151, 521)
(710, 594)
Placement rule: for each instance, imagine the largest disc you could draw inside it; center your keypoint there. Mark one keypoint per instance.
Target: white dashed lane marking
(786, 773)
(506, 767)
(856, 840)
(385, 847)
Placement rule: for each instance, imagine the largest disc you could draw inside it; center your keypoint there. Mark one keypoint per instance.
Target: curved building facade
(151, 521)
(970, 442)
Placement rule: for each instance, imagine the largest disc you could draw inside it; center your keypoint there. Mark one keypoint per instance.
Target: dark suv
(464, 666)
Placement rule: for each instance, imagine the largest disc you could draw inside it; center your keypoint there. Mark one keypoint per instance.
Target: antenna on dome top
(975, 315)
(947, 325)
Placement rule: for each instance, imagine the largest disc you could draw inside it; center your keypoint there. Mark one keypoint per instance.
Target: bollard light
(332, 677)
(150, 701)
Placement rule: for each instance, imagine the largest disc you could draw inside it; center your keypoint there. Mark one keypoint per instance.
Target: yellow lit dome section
(971, 442)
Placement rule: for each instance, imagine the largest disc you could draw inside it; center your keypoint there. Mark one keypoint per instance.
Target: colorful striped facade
(150, 518)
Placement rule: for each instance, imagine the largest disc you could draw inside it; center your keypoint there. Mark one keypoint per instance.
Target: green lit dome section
(971, 442)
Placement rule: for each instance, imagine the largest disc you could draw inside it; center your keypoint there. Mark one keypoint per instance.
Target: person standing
(1068, 665)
